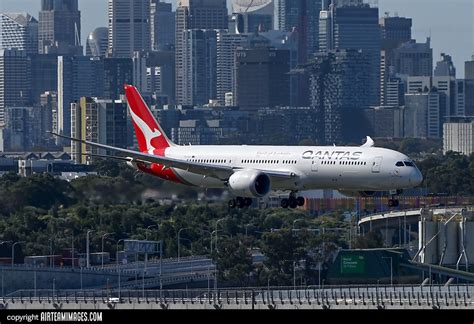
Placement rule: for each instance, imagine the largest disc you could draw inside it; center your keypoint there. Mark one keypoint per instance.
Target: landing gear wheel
(393, 203)
(247, 202)
(300, 201)
(240, 202)
(232, 203)
(293, 202)
(285, 203)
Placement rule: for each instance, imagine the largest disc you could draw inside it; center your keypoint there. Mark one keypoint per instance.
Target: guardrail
(378, 297)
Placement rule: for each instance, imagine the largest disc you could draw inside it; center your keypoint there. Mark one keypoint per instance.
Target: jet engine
(250, 183)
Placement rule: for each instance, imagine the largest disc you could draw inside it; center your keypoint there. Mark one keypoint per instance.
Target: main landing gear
(393, 201)
(292, 201)
(240, 202)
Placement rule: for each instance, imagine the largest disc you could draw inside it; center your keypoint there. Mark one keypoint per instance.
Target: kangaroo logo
(147, 131)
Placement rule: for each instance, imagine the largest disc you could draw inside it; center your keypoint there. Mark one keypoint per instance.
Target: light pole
(391, 270)
(296, 220)
(87, 248)
(217, 222)
(146, 238)
(179, 232)
(103, 237)
(118, 269)
(13, 251)
(51, 263)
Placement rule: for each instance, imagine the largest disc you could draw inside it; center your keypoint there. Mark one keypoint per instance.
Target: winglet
(369, 142)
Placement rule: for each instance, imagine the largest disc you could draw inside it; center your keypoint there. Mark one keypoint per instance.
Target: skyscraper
(15, 80)
(469, 80)
(20, 31)
(97, 42)
(302, 15)
(195, 14)
(414, 59)
(60, 27)
(77, 77)
(226, 46)
(335, 76)
(249, 16)
(394, 32)
(129, 27)
(200, 66)
(262, 78)
(100, 121)
(445, 67)
(163, 20)
(351, 24)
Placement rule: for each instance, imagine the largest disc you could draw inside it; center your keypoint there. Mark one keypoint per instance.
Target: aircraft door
(314, 165)
(376, 164)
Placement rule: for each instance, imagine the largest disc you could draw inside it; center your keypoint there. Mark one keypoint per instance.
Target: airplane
(251, 171)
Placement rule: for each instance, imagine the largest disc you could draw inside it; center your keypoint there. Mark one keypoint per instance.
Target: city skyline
(431, 22)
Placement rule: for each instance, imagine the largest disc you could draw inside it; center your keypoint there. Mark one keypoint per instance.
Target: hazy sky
(449, 22)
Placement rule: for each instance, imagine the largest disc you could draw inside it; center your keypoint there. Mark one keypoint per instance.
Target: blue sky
(449, 22)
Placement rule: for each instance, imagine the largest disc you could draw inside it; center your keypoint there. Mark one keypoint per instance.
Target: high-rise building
(249, 16)
(445, 67)
(200, 66)
(44, 72)
(394, 32)
(97, 42)
(385, 121)
(129, 27)
(458, 135)
(262, 78)
(335, 76)
(15, 80)
(414, 59)
(78, 76)
(60, 27)
(195, 14)
(227, 44)
(302, 16)
(163, 20)
(422, 115)
(23, 128)
(117, 73)
(469, 87)
(353, 25)
(20, 31)
(49, 106)
(99, 121)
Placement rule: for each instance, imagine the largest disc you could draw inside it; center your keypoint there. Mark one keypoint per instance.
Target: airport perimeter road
(373, 297)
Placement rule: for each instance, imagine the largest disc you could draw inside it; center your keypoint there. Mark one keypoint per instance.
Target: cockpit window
(409, 164)
(399, 164)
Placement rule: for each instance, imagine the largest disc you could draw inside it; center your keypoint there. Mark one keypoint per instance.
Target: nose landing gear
(393, 201)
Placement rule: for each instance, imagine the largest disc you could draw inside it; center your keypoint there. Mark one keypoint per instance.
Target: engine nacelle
(356, 194)
(250, 183)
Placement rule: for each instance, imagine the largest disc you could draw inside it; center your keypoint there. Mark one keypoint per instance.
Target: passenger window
(399, 164)
(409, 164)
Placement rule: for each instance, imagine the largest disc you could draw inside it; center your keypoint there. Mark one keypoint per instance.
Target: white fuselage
(314, 167)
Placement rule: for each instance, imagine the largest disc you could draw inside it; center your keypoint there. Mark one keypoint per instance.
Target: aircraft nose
(416, 177)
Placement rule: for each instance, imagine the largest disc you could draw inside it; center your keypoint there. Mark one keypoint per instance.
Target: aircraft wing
(219, 171)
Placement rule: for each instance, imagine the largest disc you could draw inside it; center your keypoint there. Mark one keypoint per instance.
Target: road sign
(136, 246)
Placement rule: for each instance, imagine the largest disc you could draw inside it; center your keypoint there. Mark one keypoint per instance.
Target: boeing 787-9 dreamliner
(255, 171)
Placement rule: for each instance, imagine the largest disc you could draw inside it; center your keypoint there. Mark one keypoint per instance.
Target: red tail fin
(150, 136)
